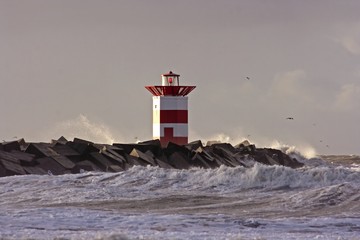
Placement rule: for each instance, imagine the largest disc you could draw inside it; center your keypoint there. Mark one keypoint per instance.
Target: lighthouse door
(168, 134)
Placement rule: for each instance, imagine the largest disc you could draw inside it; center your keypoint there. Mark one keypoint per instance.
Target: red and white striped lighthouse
(170, 110)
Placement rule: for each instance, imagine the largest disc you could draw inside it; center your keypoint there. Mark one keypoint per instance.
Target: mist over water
(82, 127)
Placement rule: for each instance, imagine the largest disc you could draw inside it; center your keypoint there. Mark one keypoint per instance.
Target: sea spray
(82, 127)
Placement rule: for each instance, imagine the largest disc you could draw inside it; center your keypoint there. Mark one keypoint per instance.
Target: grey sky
(79, 67)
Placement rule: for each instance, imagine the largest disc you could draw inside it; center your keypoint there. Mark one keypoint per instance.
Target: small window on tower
(155, 106)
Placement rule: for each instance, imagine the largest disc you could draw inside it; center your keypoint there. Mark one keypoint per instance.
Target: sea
(318, 201)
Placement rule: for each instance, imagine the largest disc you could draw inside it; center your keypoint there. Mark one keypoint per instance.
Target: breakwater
(63, 157)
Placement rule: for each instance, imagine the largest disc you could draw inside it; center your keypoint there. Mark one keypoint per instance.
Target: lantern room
(170, 86)
(170, 79)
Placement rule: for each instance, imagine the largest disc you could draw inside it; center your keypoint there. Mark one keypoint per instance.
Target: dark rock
(83, 147)
(271, 160)
(179, 161)
(173, 147)
(210, 143)
(34, 170)
(245, 147)
(2, 171)
(162, 162)
(26, 159)
(153, 145)
(192, 146)
(114, 156)
(145, 157)
(127, 166)
(40, 149)
(243, 159)
(260, 156)
(12, 168)
(23, 144)
(217, 160)
(207, 157)
(63, 161)
(9, 157)
(224, 146)
(178, 155)
(46, 150)
(8, 146)
(51, 166)
(117, 152)
(115, 168)
(198, 161)
(101, 161)
(79, 140)
(284, 159)
(65, 150)
(226, 154)
(244, 143)
(127, 148)
(135, 161)
(274, 157)
(85, 165)
(62, 140)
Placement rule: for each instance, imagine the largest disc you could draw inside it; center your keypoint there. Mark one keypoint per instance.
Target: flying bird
(247, 78)
(290, 118)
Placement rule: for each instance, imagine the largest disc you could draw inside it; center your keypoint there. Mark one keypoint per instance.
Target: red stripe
(170, 90)
(173, 116)
(178, 140)
(169, 137)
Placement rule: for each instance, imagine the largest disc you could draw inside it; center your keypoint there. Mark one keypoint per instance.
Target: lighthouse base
(169, 137)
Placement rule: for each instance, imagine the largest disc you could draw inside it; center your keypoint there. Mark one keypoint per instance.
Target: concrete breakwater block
(50, 166)
(63, 156)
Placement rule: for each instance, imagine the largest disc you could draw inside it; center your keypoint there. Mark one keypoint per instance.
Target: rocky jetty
(63, 157)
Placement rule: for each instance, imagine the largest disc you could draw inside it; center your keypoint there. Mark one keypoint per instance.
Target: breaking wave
(140, 182)
(227, 179)
(193, 204)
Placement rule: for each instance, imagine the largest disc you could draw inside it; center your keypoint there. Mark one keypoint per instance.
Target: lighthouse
(170, 110)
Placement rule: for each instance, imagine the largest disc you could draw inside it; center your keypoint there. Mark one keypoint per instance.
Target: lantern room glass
(170, 80)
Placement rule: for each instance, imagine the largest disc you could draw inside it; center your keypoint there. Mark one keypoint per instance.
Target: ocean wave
(140, 182)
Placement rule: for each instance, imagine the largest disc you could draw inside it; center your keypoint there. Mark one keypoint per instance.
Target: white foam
(37, 206)
(144, 182)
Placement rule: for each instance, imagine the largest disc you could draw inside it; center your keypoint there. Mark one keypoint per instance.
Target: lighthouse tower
(170, 110)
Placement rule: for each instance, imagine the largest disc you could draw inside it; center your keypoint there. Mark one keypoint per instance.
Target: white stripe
(180, 129)
(170, 103)
(156, 116)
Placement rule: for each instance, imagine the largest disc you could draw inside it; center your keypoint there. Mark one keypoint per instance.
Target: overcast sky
(78, 68)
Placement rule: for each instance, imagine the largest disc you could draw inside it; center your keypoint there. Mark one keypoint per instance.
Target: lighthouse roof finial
(170, 73)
